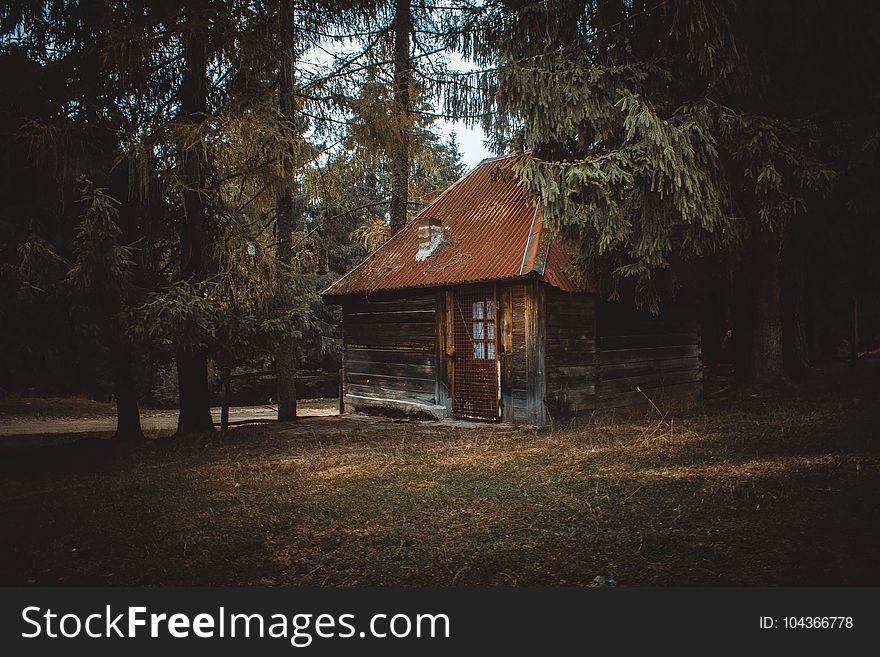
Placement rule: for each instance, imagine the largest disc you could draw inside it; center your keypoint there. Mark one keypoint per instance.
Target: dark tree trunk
(195, 397)
(712, 324)
(767, 353)
(402, 115)
(854, 347)
(224, 403)
(794, 298)
(192, 366)
(286, 220)
(741, 317)
(128, 418)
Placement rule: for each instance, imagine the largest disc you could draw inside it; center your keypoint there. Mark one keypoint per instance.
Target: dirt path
(151, 421)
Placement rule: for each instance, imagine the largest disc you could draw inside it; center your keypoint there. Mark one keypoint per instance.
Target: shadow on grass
(781, 494)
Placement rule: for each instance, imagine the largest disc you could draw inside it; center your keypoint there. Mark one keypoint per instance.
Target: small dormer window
(431, 236)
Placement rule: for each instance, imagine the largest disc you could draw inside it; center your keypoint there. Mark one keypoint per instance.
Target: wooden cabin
(472, 311)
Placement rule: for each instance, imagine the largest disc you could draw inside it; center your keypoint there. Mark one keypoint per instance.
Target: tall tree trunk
(192, 366)
(128, 419)
(741, 323)
(285, 210)
(712, 325)
(854, 347)
(794, 299)
(402, 115)
(195, 396)
(224, 402)
(767, 354)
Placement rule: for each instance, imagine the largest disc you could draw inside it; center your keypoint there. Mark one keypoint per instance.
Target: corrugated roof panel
(490, 219)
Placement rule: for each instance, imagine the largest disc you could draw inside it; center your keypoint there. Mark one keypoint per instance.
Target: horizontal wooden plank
(404, 329)
(389, 393)
(648, 381)
(426, 302)
(390, 342)
(571, 333)
(573, 370)
(407, 370)
(653, 353)
(397, 317)
(561, 350)
(664, 398)
(570, 305)
(573, 360)
(565, 346)
(608, 327)
(557, 315)
(558, 296)
(578, 373)
(562, 379)
(609, 343)
(580, 337)
(574, 391)
(394, 382)
(618, 370)
(399, 356)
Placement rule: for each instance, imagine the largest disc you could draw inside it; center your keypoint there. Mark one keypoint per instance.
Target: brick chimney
(431, 235)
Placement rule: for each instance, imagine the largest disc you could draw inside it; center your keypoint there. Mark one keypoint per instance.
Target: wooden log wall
(390, 350)
(645, 359)
(570, 353)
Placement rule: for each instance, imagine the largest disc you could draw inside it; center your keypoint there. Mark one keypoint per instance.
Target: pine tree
(99, 100)
(645, 131)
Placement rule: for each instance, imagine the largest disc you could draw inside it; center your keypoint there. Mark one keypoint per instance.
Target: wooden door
(476, 364)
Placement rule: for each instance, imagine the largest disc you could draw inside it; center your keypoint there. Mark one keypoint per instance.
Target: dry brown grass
(15, 405)
(779, 491)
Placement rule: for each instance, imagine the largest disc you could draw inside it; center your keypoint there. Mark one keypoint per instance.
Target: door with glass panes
(476, 367)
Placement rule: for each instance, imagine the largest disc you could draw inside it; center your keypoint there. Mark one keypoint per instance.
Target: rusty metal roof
(495, 232)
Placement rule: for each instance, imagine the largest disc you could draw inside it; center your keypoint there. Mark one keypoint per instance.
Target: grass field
(775, 489)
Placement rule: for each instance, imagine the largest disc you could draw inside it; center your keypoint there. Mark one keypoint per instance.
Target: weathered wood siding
(390, 353)
(522, 368)
(645, 359)
(570, 353)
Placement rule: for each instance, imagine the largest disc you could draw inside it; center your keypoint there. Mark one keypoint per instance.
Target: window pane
(490, 330)
(478, 330)
(478, 310)
(479, 351)
(490, 309)
(490, 350)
